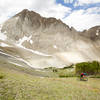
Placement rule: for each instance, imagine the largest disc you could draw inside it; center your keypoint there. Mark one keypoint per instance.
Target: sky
(80, 14)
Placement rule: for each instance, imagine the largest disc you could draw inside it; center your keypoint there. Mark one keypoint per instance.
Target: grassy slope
(28, 70)
(17, 85)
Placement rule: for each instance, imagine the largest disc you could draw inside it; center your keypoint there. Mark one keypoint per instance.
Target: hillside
(47, 42)
(16, 85)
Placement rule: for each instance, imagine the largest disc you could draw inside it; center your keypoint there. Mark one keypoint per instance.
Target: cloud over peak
(83, 19)
(72, 12)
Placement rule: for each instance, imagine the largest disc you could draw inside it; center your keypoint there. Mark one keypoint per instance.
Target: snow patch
(97, 32)
(16, 64)
(31, 41)
(25, 62)
(33, 51)
(24, 39)
(55, 46)
(4, 45)
(16, 58)
(39, 53)
(2, 36)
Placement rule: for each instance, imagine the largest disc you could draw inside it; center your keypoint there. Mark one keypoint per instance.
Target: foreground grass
(21, 86)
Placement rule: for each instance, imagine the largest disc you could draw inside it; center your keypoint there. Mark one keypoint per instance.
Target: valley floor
(16, 85)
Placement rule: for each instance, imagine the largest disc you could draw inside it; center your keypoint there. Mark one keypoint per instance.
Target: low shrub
(92, 68)
(2, 76)
(62, 76)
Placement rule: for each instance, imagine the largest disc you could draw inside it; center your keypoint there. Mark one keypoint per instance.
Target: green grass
(28, 70)
(66, 73)
(63, 72)
(17, 85)
(95, 76)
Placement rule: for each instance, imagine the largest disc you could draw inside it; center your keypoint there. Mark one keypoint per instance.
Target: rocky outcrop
(46, 42)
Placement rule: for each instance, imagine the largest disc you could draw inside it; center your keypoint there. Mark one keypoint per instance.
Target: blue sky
(80, 14)
(88, 9)
(84, 6)
(78, 7)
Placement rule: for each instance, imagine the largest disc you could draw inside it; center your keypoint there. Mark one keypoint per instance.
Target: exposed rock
(46, 42)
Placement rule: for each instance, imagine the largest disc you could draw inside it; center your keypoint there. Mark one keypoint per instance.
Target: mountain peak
(27, 13)
(25, 10)
(92, 33)
(48, 41)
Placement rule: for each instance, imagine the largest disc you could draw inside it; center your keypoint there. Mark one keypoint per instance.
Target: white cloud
(57, 11)
(47, 8)
(94, 10)
(83, 19)
(9, 7)
(86, 2)
(80, 19)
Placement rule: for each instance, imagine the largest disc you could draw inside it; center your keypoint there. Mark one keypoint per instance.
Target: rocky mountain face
(47, 42)
(93, 33)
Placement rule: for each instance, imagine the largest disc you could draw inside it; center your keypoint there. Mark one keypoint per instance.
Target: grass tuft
(2, 76)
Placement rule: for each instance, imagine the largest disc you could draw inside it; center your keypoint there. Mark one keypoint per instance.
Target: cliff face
(93, 33)
(46, 42)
